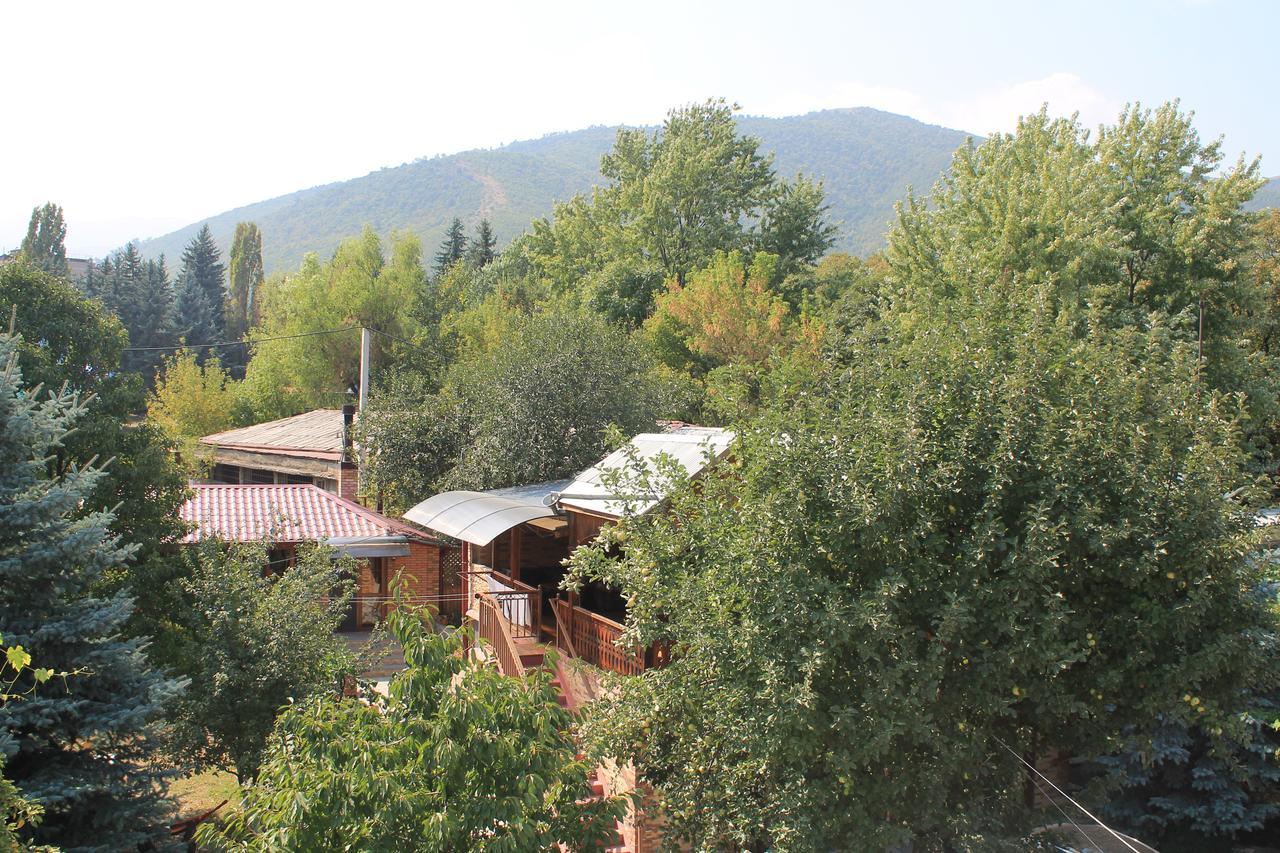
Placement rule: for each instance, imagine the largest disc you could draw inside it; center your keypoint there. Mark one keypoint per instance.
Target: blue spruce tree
(83, 746)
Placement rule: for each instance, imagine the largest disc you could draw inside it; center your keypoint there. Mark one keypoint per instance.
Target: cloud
(998, 109)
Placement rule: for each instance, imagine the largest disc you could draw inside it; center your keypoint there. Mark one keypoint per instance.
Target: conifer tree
(201, 293)
(44, 246)
(81, 747)
(454, 247)
(481, 252)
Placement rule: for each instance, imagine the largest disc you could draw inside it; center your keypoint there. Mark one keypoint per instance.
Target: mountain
(1268, 196)
(866, 158)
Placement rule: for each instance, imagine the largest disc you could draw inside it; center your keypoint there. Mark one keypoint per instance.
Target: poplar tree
(244, 277)
(82, 747)
(44, 246)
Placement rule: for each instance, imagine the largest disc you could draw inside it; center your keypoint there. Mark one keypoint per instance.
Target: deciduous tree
(45, 244)
(254, 637)
(480, 761)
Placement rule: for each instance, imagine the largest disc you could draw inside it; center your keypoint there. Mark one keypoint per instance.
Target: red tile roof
(283, 513)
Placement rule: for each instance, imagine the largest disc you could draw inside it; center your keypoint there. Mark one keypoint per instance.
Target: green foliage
(67, 338)
(458, 757)
(82, 746)
(454, 247)
(358, 287)
(537, 407)
(244, 279)
(1186, 788)
(192, 399)
(997, 517)
(137, 291)
(201, 291)
(253, 641)
(44, 247)
(481, 251)
(16, 811)
(678, 197)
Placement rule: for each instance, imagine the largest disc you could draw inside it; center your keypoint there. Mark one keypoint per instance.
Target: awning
(475, 517)
(361, 547)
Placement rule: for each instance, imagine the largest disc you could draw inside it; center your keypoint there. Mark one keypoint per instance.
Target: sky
(139, 118)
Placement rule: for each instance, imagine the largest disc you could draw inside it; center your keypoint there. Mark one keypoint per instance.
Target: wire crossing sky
(139, 118)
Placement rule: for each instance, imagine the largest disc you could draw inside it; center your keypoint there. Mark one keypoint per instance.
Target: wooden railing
(594, 639)
(496, 631)
(521, 605)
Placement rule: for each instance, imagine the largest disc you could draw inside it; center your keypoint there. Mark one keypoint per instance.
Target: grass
(197, 794)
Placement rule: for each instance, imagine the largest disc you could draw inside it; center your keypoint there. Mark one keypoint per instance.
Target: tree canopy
(1007, 517)
(45, 244)
(456, 757)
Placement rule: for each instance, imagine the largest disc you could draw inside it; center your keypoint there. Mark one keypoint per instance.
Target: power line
(1067, 796)
(243, 343)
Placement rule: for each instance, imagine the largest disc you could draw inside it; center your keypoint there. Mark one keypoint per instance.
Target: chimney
(348, 421)
(349, 472)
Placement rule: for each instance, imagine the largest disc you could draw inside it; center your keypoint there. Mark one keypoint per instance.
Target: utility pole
(366, 349)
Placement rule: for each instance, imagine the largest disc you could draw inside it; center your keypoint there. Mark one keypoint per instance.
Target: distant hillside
(1268, 196)
(866, 158)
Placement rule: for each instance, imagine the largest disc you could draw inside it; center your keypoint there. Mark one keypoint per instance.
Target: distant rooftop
(316, 434)
(691, 447)
(284, 513)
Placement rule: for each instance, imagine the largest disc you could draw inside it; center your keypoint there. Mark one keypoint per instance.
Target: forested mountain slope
(867, 159)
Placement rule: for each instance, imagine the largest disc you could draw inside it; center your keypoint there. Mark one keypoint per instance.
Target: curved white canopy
(475, 517)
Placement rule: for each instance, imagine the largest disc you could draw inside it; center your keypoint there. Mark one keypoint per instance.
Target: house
(289, 514)
(515, 542)
(311, 448)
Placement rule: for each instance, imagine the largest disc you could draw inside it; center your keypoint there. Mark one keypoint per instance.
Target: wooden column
(513, 553)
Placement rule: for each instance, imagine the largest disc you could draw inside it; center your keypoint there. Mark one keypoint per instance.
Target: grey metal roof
(691, 447)
(475, 517)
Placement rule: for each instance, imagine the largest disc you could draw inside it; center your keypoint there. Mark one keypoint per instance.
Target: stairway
(533, 656)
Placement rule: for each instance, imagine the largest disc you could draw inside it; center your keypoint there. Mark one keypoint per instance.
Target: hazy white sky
(142, 117)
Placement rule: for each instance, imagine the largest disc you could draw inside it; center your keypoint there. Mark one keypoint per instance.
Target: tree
(45, 244)
(252, 642)
(70, 339)
(244, 278)
(454, 247)
(192, 400)
(536, 408)
(201, 293)
(1008, 519)
(480, 761)
(794, 226)
(138, 292)
(725, 314)
(677, 197)
(82, 747)
(358, 287)
(481, 252)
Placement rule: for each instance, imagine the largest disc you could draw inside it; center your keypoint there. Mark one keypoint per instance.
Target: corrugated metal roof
(284, 513)
(316, 434)
(690, 446)
(475, 517)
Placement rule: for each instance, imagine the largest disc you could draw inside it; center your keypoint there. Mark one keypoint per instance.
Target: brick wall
(421, 569)
(349, 482)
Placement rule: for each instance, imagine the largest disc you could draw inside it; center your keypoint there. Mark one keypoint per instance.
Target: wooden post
(513, 553)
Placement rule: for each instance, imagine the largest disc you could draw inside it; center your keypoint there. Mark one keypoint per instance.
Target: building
(313, 448)
(515, 541)
(287, 515)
